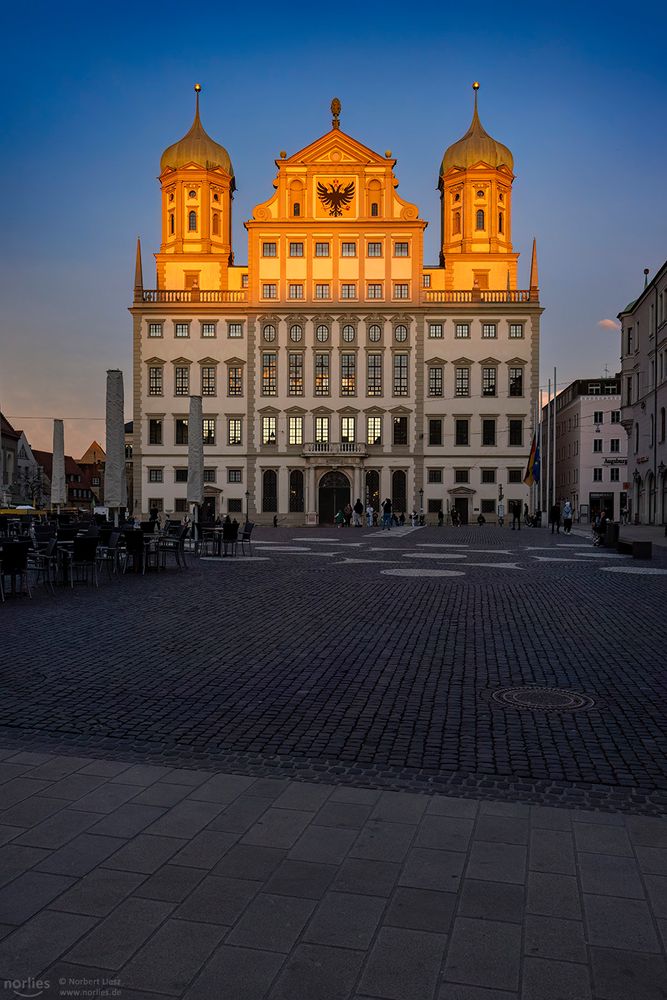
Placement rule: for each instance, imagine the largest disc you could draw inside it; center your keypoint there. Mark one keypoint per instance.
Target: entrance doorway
(208, 510)
(461, 505)
(334, 494)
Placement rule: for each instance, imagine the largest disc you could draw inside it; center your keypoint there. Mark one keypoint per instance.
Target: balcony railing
(334, 448)
(479, 295)
(192, 295)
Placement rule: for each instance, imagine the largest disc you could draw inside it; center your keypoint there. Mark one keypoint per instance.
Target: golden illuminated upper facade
(336, 364)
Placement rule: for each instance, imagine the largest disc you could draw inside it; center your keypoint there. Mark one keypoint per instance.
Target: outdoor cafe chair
(245, 536)
(174, 546)
(134, 550)
(230, 537)
(112, 554)
(15, 564)
(44, 561)
(83, 561)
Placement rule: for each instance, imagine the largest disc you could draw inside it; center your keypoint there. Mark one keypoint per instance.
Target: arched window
(216, 224)
(457, 222)
(270, 492)
(322, 333)
(479, 219)
(296, 333)
(373, 489)
(296, 491)
(296, 209)
(399, 492)
(375, 209)
(501, 223)
(192, 221)
(171, 223)
(269, 333)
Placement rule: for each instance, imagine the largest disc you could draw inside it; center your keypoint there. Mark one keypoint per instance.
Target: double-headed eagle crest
(336, 198)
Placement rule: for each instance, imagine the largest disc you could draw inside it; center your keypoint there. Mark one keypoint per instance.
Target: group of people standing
(353, 515)
(555, 515)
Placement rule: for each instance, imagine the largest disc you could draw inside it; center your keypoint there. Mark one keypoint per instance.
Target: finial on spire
(197, 93)
(335, 111)
(475, 87)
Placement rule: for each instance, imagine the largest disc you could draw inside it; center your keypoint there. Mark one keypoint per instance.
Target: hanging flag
(533, 467)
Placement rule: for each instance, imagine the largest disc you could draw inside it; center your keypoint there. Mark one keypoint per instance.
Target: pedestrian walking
(347, 512)
(441, 518)
(554, 517)
(370, 512)
(526, 515)
(386, 514)
(357, 511)
(515, 508)
(567, 517)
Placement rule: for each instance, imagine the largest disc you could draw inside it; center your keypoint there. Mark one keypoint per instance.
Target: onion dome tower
(475, 184)
(197, 180)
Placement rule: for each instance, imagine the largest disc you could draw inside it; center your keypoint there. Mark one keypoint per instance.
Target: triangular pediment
(516, 361)
(229, 361)
(336, 148)
(155, 361)
(489, 361)
(462, 361)
(181, 361)
(435, 361)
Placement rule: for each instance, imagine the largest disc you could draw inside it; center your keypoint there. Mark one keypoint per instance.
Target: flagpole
(540, 485)
(554, 439)
(547, 490)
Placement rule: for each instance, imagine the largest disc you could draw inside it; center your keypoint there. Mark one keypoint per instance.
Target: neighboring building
(591, 448)
(336, 364)
(128, 465)
(9, 439)
(93, 462)
(80, 490)
(644, 392)
(28, 481)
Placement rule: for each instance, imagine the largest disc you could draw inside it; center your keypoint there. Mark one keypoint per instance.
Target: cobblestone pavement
(362, 656)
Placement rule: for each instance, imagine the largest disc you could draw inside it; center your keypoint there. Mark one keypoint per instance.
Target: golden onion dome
(476, 146)
(196, 146)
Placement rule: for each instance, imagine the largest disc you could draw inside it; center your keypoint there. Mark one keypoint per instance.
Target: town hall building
(336, 364)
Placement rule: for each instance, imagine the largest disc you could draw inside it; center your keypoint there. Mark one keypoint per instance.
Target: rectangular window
(182, 381)
(374, 250)
(426, 280)
(182, 329)
(488, 331)
(374, 291)
(269, 374)
(401, 250)
(155, 503)
(269, 249)
(155, 329)
(594, 388)
(348, 249)
(515, 475)
(208, 381)
(234, 430)
(348, 291)
(435, 432)
(462, 382)
(235, 380)
(598, 416)
(462, 432)
(233, 475)
(488, 475)
(210, 475)
(461, 476)
(597, 475)
(400, 375)
(208, 330)
(401, 290)
(489, 379)
(374, 375)
(348, 430)
(295, 430)
(269, 291)
(516, 331)
(296, 249)
(374, 430)
(155, 476)
(296, 291)
(208, 430)
(435, 331)
(235, 505)
(348, 374)
(244, 281)
(295, 384)
(234, 330)
(322, 430)
(434, 475)
(462, 331)
(181, 430)
(516, 433)
(321, 249)
(516, 381)
(155, 381)
(268, 430)
(322, 374)
(435, 381)
(597, 445)
(488, 507)
(180, 475)
(488, 433)
(322, 291)
(615, 416)
(400, 429)
(615, 445)
(614, 474)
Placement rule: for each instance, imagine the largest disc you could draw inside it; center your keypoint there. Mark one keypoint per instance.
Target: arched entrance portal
(334, 494)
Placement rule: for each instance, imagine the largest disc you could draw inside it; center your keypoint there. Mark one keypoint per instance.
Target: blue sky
(94, 93)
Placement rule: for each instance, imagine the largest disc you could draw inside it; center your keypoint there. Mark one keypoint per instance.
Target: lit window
(208, 329)
(374, 375)
(295, 430)
(268, 430)
(374, 250)
(269, 374)
(208, 386)
(375, 291)
(321, 249)
(234, 330)
(322, 333)
(182, 330)
(244, 281)
(374, 430)
(155, 381)
(348, 374)
(322, 430)
(296, 291)
(234, 380)
(192, 221)
(401, 250)
(462, 331)
(348, 433)
(182, 382)
(234, 430)
(269, 333)
(401, 290)
(296, 333)
(435, 381)
(322, 370)
(348, 333)
(435, 331)
(322, 291)
(488, 331)
(489, 380)
(348, 291)
(374, 333)
(269, 249)
(348, 250)
(296, 249)
(295, 376)
(426, 280)
(479, 219)
(155, 329)
(516, 331)
(269, 292)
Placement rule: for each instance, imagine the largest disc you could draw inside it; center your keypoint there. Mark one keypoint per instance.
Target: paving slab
(241, 973)
(172, 958)
(273, 923)
(99, 892)
(36, 944)
(403, 964)
(316, 971)
(484, 953)
(116, 938)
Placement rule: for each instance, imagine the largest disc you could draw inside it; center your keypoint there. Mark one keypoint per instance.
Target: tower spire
(138, 272)
(534, 279)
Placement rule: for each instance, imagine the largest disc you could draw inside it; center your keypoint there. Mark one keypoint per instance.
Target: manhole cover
(538, 699)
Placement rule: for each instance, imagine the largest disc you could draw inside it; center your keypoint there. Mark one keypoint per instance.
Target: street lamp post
(247, 504)
(421, 505)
